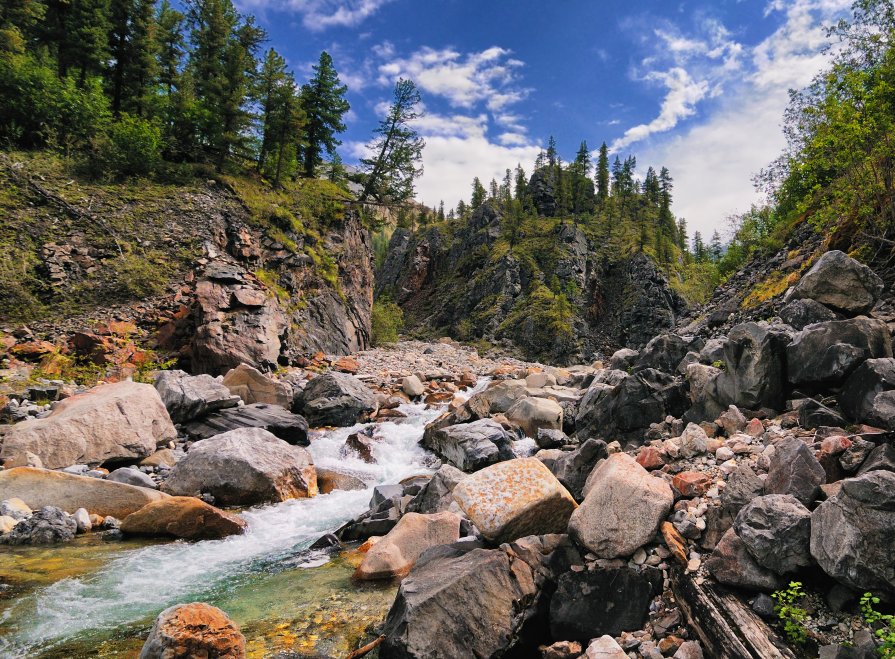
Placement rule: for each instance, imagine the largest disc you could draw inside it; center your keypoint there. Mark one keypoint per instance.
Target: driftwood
(727, 627)
(369, 647)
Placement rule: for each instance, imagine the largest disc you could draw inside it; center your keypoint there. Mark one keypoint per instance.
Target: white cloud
(318, 15)
(464, 80)
(713, 162)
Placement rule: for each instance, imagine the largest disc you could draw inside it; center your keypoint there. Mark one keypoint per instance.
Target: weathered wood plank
(727, 628)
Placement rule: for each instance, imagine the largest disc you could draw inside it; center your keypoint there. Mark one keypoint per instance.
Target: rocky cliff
(214, 272)
(553, 295)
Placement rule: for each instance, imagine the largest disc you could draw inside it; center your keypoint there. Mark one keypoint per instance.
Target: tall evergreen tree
(603, 174)
(76, 34)
(324, 104)
(170, 45)
(478, 193)
(19, 24)
(398, 148)
(132, 49)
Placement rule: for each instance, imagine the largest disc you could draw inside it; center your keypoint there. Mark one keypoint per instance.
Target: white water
(141, 582)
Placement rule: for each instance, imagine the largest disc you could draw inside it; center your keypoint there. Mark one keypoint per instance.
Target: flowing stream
(93, 598)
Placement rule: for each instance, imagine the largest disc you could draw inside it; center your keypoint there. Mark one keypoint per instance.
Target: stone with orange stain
(346, 365)
(31, 350)
(692, 483)
(513, 499)
(650, 458)
(189, 631)
(674, 542)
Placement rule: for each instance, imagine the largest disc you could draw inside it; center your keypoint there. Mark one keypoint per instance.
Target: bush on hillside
(386, 321)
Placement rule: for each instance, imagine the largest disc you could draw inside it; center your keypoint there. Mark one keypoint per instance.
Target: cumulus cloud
(713, 162)
(318, 15)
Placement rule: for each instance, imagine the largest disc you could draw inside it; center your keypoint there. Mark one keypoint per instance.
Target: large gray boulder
(622, 510)
(532, 414)
(188, 397)
(825, 354)
(754, 373)
(470, 446)
(732, 564)
(798, 314)
(665, 351)
(437, 495)
(286, 425)
(604, 601)
(47, 526)
(112, 422)
(336, 399)
(841, 283)
(853, 533)
(794, 470)
(776, 530)
(572, 468)
(242, 468)
(868, 395)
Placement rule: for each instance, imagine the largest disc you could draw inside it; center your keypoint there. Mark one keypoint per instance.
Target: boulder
(866, 394)
(602, 601)
(183, 517)
(825, 354)
(188, 631)
(501, 396)
(732, 421)
(291, 428)
(121, 421)
(798, 314)
(131, 476)
(693, 441)
(704, 396)
(838, 281)
(622, 510)
(336, 399)
(47, 526)
(853, 533)
(572, 468)
(776, 530)
(732, 564)
(626, 404)
(162, 458)
(332, 479)
(41, 487)
(460, 601)
(15, 508)
(755, 368)
(437, 495)
(880, 458)
(623, 359)
(532, 414)
(794, 470)
(470, 446)
(550, 438)
(394, 555)
(242, 468)
(412, 386)
(252, 386)
(188, 397)
(743, 486)
(514, 499)
(540, 380)
(665, 351)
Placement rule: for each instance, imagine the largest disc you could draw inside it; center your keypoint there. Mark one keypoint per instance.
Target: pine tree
(170, 45)
(462, 209)
(324, 104)
(520, 190)
(132, 48)
(551, 152)
(493, 192)
(390, 175)
(603, 174)
(716, 250)
(699, 251)
(271, 79)
(441, 211)
(478, 193)
(76, 33)
(20, 21)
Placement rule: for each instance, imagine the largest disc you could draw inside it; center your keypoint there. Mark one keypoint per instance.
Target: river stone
(514, 499)
(336, 399)
(853, 533)
(866, 394)
(825, 354)
(603, 601)
(794, 470)
(394, 554)
(501, 396)
(540, 380)
(292, 428)
(42, 487)
(131, 476)
(162, 458)
(776, 530)
(732, 564)
(841, 283)
(412, 386)
(622, 510)
(121, 421)
(15, 508)
(183, 517)
(532, 414)
(470, 446)
(7, 524)
(188, 397)
(437, 495)
(333, 479)
(242, 468)
(190, 631)
(604, 647)
(47, 526)
(573, 468)
(252, 386)
(460, 601)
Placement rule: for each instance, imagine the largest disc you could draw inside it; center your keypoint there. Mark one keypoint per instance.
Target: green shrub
(882, 623)
(792, 616)
(132, 146)
(136, 275)
(386, 321)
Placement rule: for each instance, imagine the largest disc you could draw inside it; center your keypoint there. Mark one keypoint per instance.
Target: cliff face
(551, 296)
(193, 267)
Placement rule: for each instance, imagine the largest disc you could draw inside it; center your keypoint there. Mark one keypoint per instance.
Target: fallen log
(727, 628)
(369, 647)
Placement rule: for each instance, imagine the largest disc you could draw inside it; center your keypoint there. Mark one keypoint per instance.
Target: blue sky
(698, 86)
